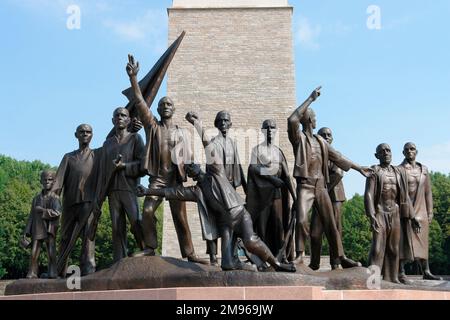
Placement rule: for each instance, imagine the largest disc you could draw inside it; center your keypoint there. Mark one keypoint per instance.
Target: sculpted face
(309, 118)
(47, 180)
(269, 128)
(121, 118)
(326, 134)
(384, 154)
(410, 151)
(166, 108)
(223, 122)
(84, 134)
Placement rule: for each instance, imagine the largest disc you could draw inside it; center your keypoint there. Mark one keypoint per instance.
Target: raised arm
(294, 119)
(144, 112)
(194, 119)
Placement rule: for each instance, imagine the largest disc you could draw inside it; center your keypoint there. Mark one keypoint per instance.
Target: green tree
(437, 257)
(19, 183)
(441, 201)
(357, 236)
(15, 202)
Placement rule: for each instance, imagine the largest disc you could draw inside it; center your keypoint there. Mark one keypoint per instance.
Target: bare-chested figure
(386, 200)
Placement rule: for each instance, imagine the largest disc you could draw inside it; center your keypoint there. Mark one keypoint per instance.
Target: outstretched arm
(294, 119)
(179, 193)
(194, 119)
(345, 164)
(144, 112)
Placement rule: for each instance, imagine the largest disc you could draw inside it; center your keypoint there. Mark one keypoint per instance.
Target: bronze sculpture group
(399, 205)
(271, 223)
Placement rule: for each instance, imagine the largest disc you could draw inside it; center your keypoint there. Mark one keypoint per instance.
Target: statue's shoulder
(135, 135)
(318, 137)
(399, 169)
(108, 140)
(71, 154)
(321, 140)
(279, 150)
(424, 168)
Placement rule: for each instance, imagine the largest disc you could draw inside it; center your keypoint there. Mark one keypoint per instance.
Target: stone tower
(237, 55)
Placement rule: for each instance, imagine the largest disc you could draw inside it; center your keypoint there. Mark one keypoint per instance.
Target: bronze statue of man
(223, 202)
(120, 165)
(76, 179)
(221, 154)
(165, 166)
(42, 226)
(386, 201)
(224, 150)
(415, 244)
(312, 154)
(337, 195)
(269, 186)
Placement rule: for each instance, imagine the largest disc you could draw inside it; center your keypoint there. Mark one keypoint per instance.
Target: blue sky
(389, 85)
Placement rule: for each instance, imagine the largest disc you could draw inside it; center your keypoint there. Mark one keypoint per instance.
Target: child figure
(42, 226)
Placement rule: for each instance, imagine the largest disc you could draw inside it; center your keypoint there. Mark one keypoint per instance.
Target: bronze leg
(179, 215)
(149, 221)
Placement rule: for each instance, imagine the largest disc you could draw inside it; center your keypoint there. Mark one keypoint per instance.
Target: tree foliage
(19, 183)
(441, 201)
(357, 236)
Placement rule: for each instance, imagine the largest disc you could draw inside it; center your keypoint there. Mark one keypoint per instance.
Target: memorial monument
(237, 56)
(246, 68)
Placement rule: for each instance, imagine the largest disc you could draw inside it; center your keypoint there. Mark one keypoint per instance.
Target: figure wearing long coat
(77, 179)
(422, 208)
(268, 205)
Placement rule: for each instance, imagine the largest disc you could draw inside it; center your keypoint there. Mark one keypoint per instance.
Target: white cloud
(436, 157)
(149, 28)
(307, 34)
